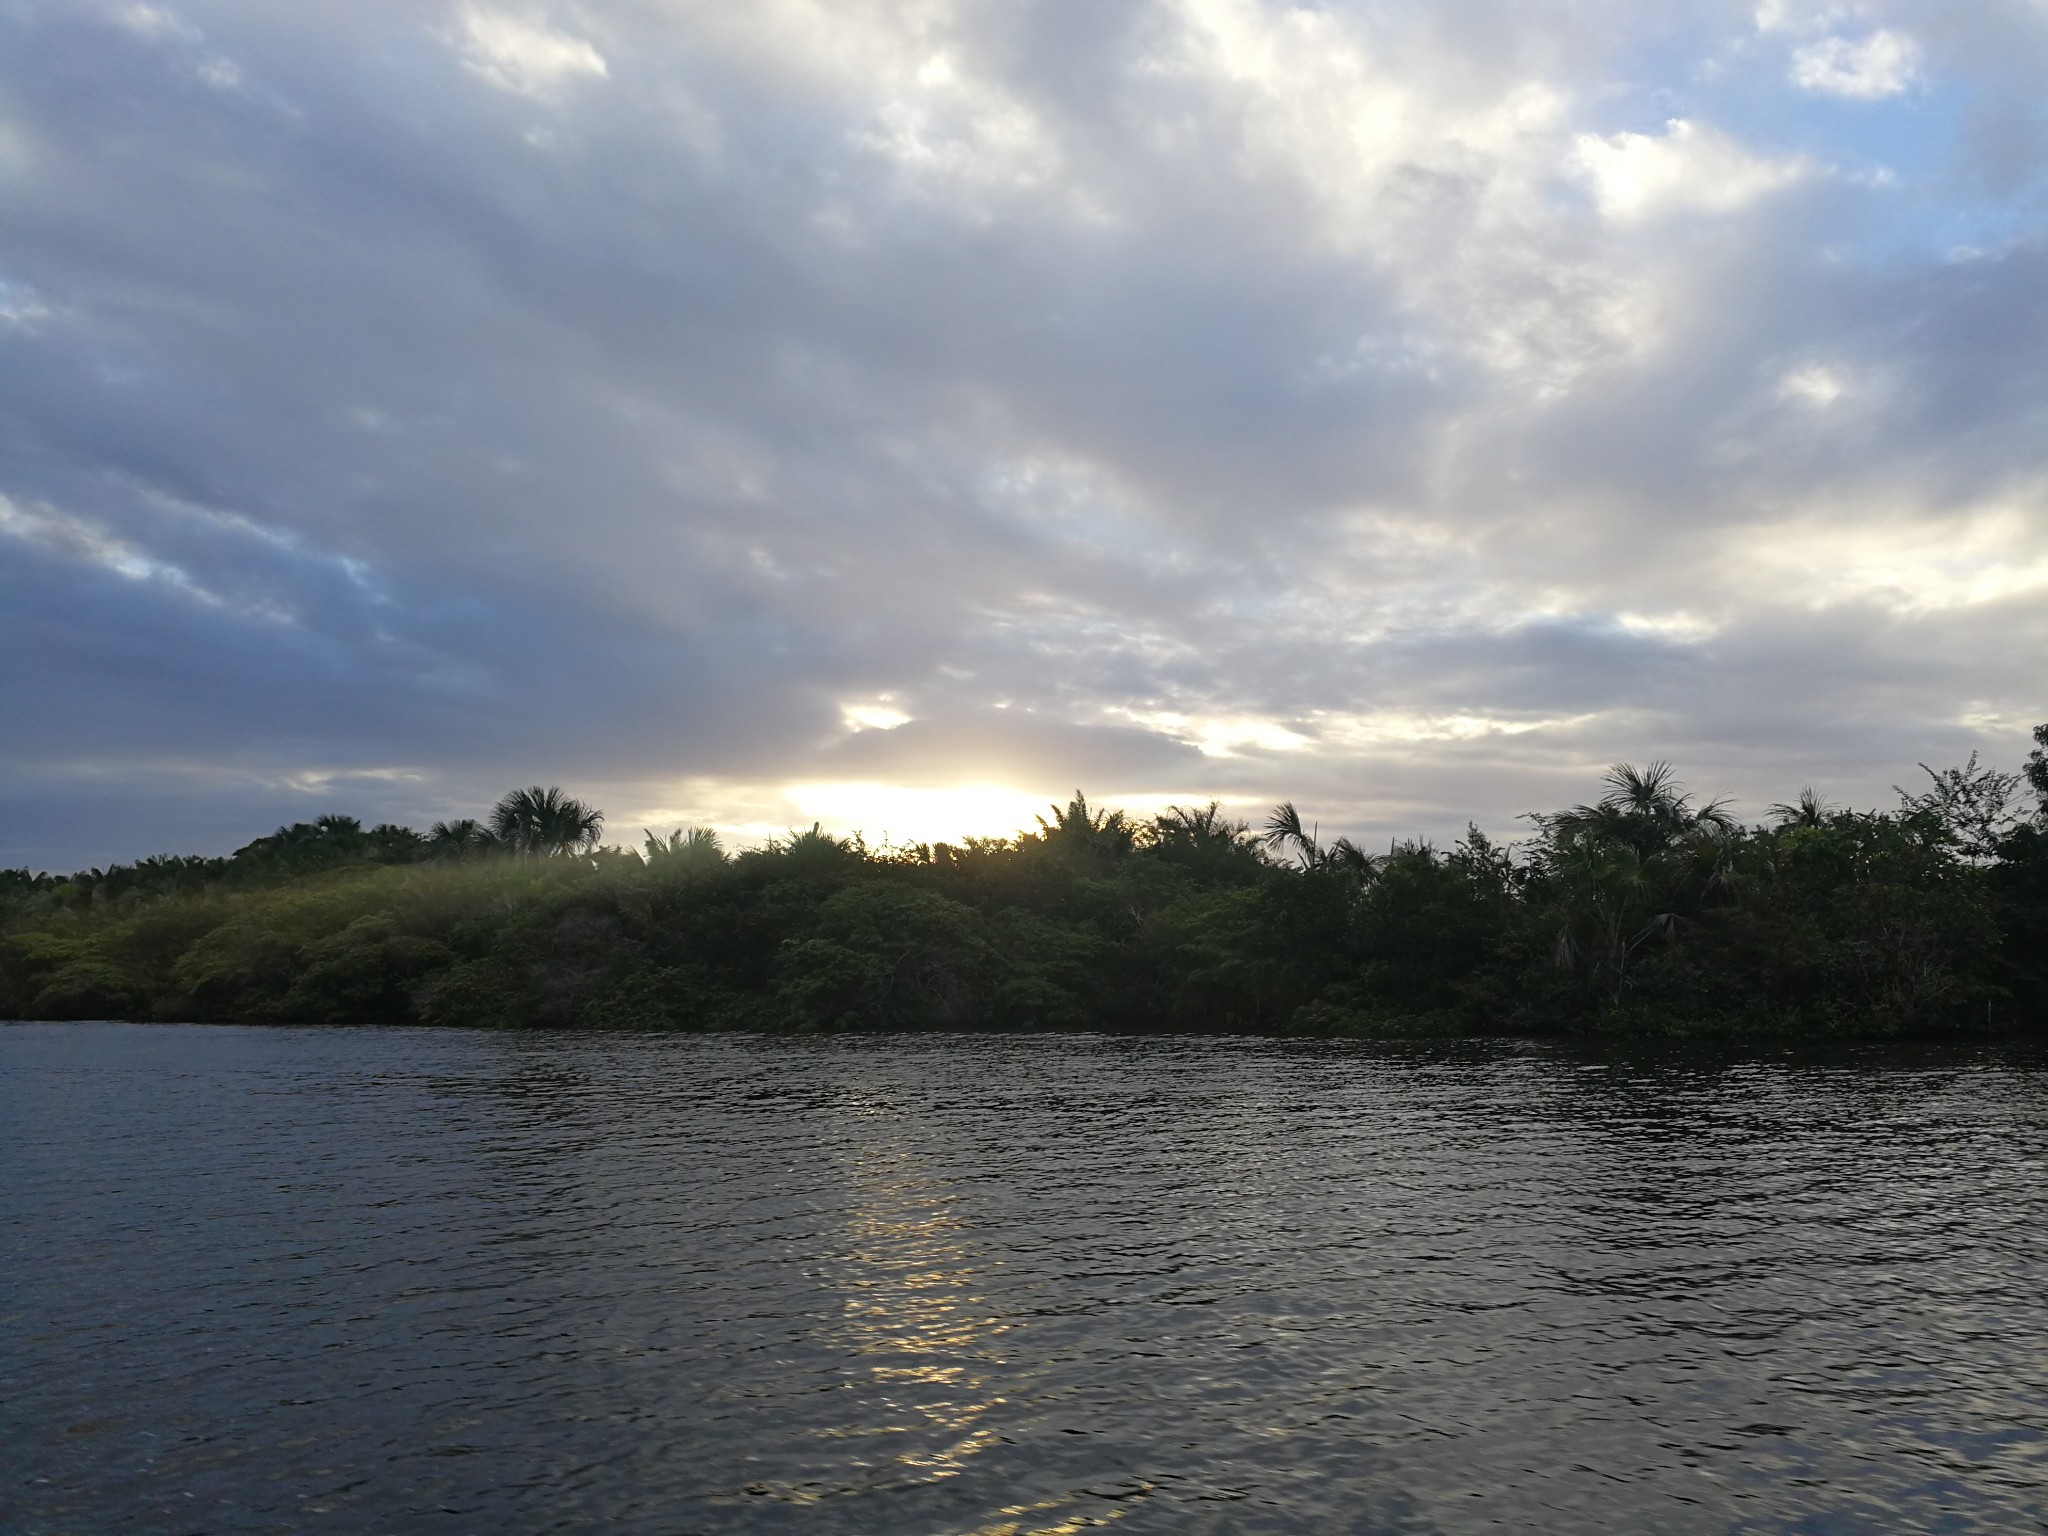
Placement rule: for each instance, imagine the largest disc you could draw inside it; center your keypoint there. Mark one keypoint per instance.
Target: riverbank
(1642, 916)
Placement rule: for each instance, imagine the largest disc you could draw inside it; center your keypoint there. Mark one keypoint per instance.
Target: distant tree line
(1641, 913)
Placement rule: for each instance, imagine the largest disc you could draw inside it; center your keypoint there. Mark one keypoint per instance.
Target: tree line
(1643, 912)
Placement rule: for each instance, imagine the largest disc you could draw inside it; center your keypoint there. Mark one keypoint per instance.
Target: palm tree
(545, 823)
(1204, 826)
(1633, 866)
(685, 848)
(458, 839)
(1079, 827)
(1203, 840)
(1811, 809)
(814, 851)
(1345, 857)
(1285, 832)
(1646, 808)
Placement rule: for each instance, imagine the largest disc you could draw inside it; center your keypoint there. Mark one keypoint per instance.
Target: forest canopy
(1644, 912)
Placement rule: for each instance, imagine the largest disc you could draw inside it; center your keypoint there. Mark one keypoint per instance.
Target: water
(384, 1280)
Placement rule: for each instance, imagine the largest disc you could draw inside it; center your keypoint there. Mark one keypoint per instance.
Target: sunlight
(904, 814)
(880, 714)
(1219, 735)
(1687, 167)
(1905, 564)
(1391, 728)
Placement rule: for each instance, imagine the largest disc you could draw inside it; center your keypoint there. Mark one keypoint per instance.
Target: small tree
(2037, 774)
(1974, 805)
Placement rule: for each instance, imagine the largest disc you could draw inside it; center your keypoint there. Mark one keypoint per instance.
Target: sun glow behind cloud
(899, 814)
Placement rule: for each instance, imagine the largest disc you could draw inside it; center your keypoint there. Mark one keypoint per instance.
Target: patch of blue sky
(1907, 153)
(1912, 135)
(1742, 85)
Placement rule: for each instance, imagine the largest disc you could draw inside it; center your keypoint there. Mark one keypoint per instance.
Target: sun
(907, 814)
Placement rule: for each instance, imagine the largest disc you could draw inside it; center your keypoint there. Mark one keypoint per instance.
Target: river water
(421, 1280)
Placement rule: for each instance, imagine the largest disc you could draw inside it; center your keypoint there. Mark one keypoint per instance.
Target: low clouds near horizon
(899, 414)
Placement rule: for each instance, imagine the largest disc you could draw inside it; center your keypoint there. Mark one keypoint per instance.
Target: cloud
(154, 21)
(752, 413)
(1686, 168)
(1816, 385)
(518, 53)
(1886, 63)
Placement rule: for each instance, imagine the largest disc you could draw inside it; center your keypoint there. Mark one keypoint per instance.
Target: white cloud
(71, 537)
(1220, 736)
(154, 21)
(1365, 730)
(1904, 563)
(219, 73)
(1804, 16)
(1815, 384)
(1686, 168)
(1371, 135)
(519, 54)
(872, 715)
(956, 140)
(1885, 63)
(21, 307)
(184, 41)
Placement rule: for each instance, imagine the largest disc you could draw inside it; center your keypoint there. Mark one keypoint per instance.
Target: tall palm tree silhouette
(1633, 866)
(544, 823)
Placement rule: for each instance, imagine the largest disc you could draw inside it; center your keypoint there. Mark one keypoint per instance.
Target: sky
(898, 415)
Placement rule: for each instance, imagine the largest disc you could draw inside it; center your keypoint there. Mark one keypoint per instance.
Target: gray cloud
(1380, 404)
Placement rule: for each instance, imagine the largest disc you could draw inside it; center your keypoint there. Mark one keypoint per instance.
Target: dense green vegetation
(1642, 913)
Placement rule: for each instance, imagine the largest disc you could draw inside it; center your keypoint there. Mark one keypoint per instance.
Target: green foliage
(367, 973)
(1975, 807)
(476, 994)
(1204, 843)
(2018, 883)
(58, 976)
(2036, 771)
(891, 956)
(1240, 958)
(1427, 927)
(1866, 925)
(1642, 913)
(1634, 870)
(463, 838)
(1079, 834)
(685, 852)
(328, 842)
(250, 964)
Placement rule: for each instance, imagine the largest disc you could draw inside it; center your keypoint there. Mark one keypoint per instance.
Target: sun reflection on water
(915, 1314)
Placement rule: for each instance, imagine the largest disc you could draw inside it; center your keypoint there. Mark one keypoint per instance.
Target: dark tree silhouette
(545, 823)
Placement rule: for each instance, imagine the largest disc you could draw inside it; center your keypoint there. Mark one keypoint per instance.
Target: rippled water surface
(384, 1280)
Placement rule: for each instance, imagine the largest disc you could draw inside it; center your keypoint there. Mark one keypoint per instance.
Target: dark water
(271, 1280)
